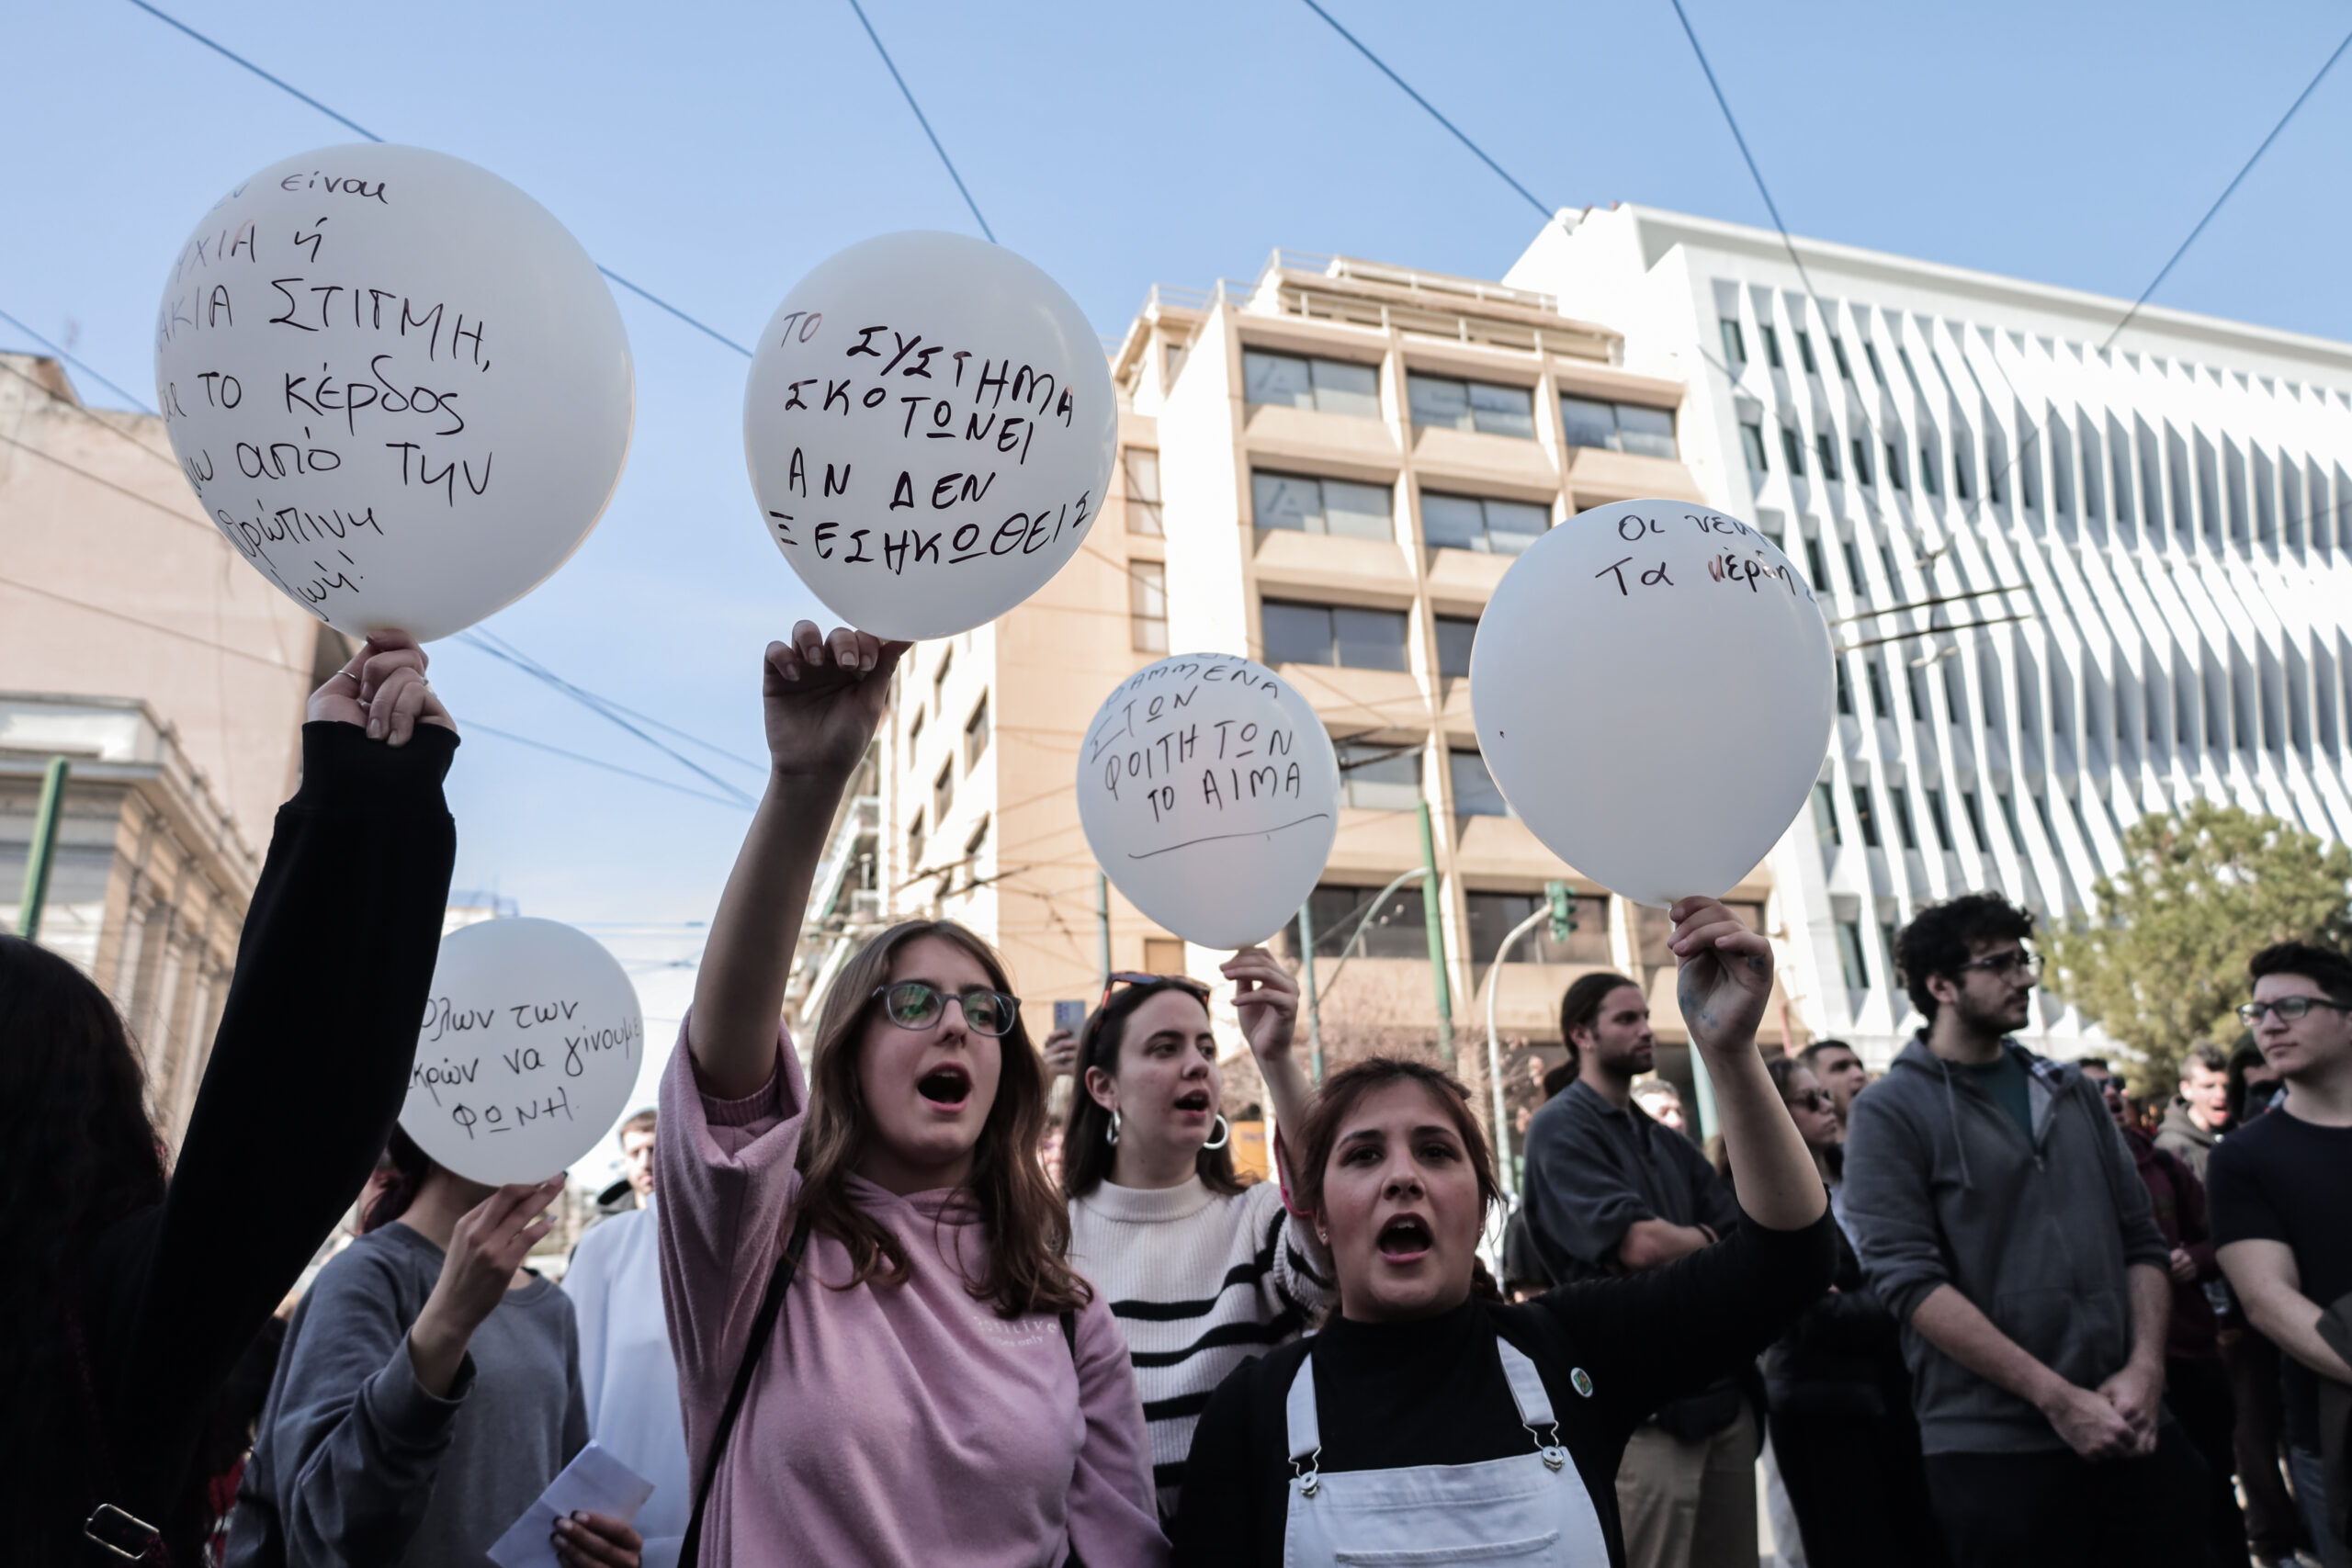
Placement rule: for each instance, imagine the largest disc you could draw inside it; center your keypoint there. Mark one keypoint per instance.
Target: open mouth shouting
(1193, 1104)
(1404, 1240)
(948, 1087)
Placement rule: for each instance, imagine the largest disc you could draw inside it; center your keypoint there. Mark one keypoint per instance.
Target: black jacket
(306, 1078)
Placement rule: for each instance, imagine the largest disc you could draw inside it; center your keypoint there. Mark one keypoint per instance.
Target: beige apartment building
(1328, 469)
(172, 678)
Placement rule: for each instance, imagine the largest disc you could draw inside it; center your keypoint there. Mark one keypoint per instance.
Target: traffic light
(1564, 910)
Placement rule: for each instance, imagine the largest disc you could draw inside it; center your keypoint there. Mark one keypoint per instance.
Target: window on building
(1878, 371)
(1914, 680)
(1926, 469)
(1734, 345)
(1302, 503)
(1844, 690)
(1334, 634)
(1143, 492)
(1771, 345)
(1825, 817)
(1895, 466)
(1862, 461)
(1837, 353)
(914, 733)
(943, 791)
(939, 676)
(1881, 701)
(1376, 776)
(1492, 916)
(1618, 427)
(1751, 441)
(1475, 792)
(1397, 928)
(1805, 353)
(1866, 816)
(1963, 460)
(1937, 820)
(1326, 386)
(2010, 815)
(915, 840)
(1483, 406)
(1854, 569)
(976, 734)
(1905, 834)
(1826, 447)
(1148, 605)
(1850, 956)
(1975, 813)
(1454, 636)
(1792, 448)
(1483, 524)
(1816, 563)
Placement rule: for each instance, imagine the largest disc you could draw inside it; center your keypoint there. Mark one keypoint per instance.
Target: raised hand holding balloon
(1210, 795)
(530, 1045)
(1653, 690)
(396, 384)
(930, 426)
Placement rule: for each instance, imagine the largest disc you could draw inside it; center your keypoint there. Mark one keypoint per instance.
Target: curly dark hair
(2324, 967)
(79, 1154)
(1936, 942)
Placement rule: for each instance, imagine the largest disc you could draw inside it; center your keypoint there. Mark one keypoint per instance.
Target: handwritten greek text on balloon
(930, 427)
(1210, 794)
(526, 1052)
(1750, 675)
(396, 385)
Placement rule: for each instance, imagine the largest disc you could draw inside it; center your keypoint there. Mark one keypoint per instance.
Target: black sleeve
(1674, 1330)
(1217, 1523)
(1579, 1202)
(306, 1078)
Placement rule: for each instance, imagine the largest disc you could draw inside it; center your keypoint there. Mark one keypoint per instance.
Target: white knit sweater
(1199, 1284)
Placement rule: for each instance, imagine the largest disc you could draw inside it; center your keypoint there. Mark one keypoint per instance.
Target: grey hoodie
(2179, 1135)
(1941, 1188)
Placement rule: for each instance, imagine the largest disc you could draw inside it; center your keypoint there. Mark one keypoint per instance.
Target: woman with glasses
(883, 1354)
(1201, 1271)
(1842, 1429)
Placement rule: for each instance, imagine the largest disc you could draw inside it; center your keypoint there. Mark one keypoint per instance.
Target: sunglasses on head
(1184, 983)
(919, 1004)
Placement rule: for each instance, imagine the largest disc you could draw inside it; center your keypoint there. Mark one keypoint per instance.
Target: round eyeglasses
(919, 1004)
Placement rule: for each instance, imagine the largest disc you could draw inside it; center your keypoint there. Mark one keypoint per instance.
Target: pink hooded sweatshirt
(904, 1424)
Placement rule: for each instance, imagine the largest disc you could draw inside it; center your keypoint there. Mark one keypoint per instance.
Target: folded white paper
(594, 1483)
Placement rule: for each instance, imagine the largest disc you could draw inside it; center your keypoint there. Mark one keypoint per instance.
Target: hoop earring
(1111, 1134)
(1224, 1133)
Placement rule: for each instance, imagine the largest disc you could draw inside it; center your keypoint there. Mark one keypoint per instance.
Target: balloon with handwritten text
(930, 427)
(396, 384)
(1653, 691)
(530, 1048)
(1210, 795)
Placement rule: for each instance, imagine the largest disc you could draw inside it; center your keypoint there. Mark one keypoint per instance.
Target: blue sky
(715, 152)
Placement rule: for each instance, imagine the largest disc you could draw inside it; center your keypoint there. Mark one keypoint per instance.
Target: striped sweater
(1199, 1283)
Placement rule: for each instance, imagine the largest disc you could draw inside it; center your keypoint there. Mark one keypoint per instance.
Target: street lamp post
(1503, 1168)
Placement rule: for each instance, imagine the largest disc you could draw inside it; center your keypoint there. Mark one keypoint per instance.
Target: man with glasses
(1998, 1213)
(2283, 1208)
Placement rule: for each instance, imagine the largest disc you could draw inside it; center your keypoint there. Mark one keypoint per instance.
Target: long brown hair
(1087, 1152)
(1026, 1224)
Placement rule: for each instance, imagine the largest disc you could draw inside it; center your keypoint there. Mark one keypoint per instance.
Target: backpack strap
(763, 1329)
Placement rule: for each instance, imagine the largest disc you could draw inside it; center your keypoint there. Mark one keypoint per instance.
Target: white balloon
(528, 1051)
(1210, 795)
(397, 383)
(930, 427)
(1653, 691)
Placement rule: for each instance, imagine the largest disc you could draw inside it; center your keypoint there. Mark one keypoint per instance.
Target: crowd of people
(1982, 1310)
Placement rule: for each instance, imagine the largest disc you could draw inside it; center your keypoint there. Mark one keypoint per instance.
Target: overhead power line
(1758, 175)
(1457, 132)
(133, 401)
(348, 123)
(2165, 270)
(924, 120)
(473, 725)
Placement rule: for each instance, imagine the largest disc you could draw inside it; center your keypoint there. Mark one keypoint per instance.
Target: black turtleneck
(1432, 1392)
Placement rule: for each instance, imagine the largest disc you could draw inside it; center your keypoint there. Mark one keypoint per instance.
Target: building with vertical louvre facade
(2079, 580)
